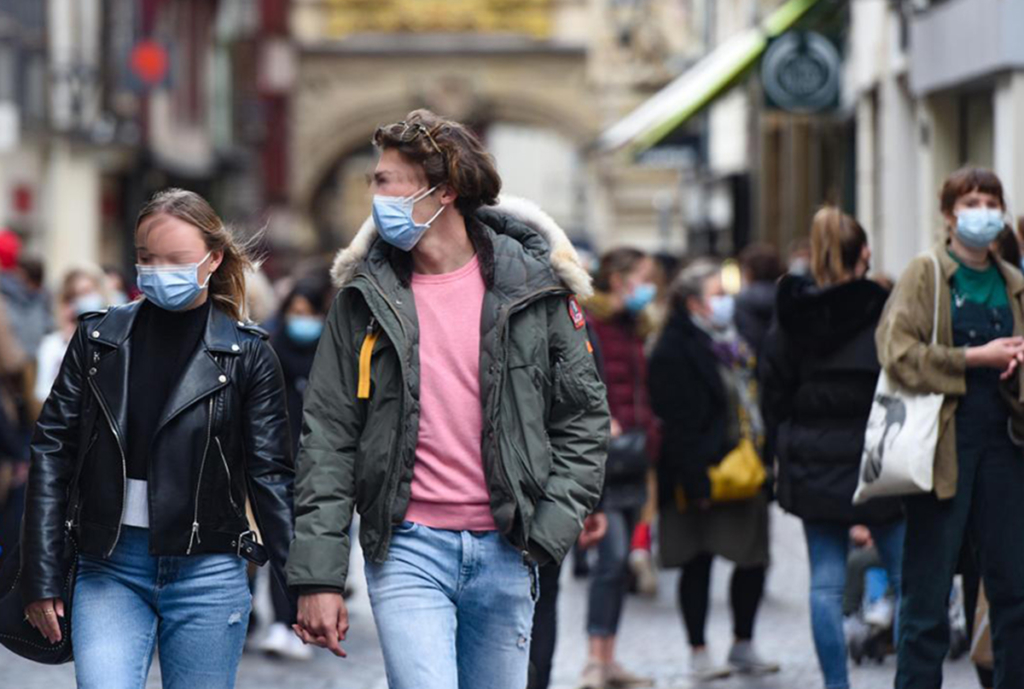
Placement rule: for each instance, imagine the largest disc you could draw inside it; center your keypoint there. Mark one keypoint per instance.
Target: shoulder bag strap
(938, 296)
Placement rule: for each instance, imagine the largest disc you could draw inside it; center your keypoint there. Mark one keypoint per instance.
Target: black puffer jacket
(818, 372)
(223, 437)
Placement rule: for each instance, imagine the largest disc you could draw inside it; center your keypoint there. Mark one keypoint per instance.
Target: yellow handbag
(739, 476)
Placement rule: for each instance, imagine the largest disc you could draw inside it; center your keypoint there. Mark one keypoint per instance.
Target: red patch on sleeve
(576, 314)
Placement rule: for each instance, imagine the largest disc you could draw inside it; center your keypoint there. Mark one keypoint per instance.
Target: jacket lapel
(109, 363)
(203, 376)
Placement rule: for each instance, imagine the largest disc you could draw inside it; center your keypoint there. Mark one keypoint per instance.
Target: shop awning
(701, 84)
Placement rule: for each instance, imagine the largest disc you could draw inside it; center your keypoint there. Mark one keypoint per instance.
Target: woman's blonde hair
(228, 283)
(837, 243)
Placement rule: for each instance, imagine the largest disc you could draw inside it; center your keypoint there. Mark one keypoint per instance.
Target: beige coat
(907, 355)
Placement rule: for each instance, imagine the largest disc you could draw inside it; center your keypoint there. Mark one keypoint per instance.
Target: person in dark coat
(755, 304)
(618, 317)
(701, 387)
(818, 374)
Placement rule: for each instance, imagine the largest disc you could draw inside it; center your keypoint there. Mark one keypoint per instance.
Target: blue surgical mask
(976, 228)
(393, 217)
(304, 329)
(723, 308)
(88, 303)
(640, 297)
(172, 288)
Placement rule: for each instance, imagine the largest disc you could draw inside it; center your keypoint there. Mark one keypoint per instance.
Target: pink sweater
(448, 486)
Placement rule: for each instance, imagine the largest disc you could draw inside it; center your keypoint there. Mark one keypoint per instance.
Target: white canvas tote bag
(902, 432)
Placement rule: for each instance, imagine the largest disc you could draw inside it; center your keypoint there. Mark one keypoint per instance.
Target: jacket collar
(202, 375)
(529, 247)
(221, 335)
(1012, 276)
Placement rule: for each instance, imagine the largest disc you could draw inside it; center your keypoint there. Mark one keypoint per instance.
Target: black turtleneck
(162, 344)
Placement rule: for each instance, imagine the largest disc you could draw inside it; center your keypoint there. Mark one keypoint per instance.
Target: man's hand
(323, 621)
(616, 428)
(43, 616)
(594, 528)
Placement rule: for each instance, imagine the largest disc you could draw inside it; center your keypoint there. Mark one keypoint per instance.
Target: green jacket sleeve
(578, 428)
(904, 336)
(332, 422)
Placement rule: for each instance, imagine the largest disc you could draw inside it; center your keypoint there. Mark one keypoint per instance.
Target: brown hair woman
(978, 498)
(163, 451)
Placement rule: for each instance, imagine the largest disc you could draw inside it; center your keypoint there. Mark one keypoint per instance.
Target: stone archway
(343, 96)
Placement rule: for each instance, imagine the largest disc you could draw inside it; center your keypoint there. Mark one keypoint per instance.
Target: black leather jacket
(223, 439)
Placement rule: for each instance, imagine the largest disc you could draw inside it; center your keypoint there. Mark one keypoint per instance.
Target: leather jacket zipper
(194, 538)
(224, 461)
(124, 461)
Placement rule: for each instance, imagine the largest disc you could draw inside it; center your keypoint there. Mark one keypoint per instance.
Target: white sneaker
(642, 565)
(880, 613)
(704, 669)
(746, 661)
(281, 641)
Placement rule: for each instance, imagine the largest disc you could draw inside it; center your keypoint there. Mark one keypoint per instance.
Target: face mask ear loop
(416, 198)
(209, 276)
(438, 213)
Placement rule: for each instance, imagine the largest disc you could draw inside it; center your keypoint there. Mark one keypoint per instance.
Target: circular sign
(149, 62)
(800, 72)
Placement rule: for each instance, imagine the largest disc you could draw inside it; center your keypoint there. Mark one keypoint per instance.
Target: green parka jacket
(545, 415)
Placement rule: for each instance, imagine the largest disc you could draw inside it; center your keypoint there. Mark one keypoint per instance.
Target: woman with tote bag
(978, 493)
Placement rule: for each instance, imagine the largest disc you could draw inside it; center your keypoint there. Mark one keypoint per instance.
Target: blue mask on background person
(640, 297)
(88, 303)
(723, 308)
(979, 227)
(172, 288)
(304, 329)
(393, 217)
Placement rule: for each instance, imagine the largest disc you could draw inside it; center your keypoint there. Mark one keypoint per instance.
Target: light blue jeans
(454, 609)
(196, 608)
(828, 546)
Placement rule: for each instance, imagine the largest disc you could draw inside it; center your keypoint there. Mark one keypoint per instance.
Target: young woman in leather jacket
(187, 469)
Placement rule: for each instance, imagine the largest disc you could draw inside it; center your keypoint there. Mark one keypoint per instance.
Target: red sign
(149, 62)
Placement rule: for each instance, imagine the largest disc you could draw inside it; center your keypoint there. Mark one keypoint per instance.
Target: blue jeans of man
(828, 546)
(195, 608)
(454, 609)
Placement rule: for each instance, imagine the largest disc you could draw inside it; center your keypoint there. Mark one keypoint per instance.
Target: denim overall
(987, 511)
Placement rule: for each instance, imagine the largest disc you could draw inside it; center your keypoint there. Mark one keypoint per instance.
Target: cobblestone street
(652, 640)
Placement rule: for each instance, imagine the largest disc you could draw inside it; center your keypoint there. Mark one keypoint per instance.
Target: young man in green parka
(454, 402)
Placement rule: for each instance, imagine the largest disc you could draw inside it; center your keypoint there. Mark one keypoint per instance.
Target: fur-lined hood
(529, 218)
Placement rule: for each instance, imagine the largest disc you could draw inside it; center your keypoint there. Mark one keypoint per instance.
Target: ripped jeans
(195, 608)
(454, 609)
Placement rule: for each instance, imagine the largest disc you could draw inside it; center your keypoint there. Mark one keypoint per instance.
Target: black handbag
(627, 453)
(16, 634)
(627, 456)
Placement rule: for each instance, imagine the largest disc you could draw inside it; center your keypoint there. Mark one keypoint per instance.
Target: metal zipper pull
(193, 537)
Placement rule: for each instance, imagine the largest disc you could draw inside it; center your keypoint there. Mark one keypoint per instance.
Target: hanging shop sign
(800, 73)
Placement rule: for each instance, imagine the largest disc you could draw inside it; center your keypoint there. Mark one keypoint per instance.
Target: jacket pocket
(531, 483)
(577, 384)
